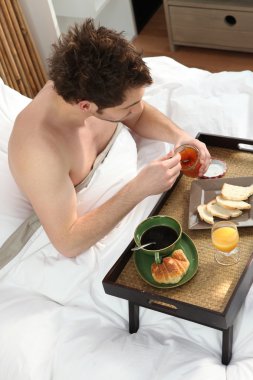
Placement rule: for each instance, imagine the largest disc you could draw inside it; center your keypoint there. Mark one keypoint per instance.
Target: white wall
(79, 8)
(43, 25)
(48, 18)
(115, 14)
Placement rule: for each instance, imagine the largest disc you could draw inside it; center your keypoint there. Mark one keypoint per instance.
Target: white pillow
(14, 207)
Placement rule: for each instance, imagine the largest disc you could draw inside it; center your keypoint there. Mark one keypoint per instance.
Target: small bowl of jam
(190, 161)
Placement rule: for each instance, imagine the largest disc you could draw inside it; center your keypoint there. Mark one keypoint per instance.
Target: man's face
(131, 107)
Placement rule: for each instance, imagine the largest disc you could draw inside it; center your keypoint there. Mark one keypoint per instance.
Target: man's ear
(87, 106)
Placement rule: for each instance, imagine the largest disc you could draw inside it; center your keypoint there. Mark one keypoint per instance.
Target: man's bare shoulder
(33, 153)
(29, 141)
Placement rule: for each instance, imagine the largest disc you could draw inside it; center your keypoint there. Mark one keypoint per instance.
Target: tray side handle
(245, 147)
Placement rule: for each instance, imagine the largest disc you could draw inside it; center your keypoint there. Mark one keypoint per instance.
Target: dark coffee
(163, 236)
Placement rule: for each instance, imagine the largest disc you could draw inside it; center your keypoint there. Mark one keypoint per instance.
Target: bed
(56, 322)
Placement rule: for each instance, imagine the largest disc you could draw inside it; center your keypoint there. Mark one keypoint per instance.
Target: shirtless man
(97, 79)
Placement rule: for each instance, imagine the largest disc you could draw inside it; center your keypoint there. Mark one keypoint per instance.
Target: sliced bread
(236, 193)
(226, 203)
(224, 213)
(205, 215)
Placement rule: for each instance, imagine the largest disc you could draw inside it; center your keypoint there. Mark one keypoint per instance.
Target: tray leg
(227, 341)
(133, 312)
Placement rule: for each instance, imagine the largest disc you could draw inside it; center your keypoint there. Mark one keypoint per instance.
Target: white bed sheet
(56, 322)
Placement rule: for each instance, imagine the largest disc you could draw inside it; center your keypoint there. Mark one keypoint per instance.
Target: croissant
(171, 269)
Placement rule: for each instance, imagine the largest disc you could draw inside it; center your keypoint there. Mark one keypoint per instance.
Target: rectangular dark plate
(204, 190)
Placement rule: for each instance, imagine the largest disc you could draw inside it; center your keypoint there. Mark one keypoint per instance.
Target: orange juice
(225, 239)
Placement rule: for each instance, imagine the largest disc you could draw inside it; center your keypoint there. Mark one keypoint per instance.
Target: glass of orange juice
(225, 238)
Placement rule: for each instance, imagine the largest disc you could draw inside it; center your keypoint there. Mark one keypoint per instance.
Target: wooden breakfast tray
(215, 294)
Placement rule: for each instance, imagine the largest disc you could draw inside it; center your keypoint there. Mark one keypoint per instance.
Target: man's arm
(153, 124)
(43, 175)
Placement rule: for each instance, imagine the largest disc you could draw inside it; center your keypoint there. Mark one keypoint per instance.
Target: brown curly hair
(98, 65)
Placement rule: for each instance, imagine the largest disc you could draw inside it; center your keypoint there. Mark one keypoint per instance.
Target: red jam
(189, 160)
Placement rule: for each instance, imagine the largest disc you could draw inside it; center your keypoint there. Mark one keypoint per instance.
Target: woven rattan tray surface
(213, 285)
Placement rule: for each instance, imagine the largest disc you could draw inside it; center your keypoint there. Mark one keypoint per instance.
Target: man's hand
(159, 175)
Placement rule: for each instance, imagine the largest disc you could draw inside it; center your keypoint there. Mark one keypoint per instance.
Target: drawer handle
(163, 304)
(230, 20)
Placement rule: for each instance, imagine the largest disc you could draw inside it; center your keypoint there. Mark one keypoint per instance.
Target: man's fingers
(167, 156)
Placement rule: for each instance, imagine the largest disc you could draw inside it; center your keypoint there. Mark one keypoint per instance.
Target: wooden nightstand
(217, 24)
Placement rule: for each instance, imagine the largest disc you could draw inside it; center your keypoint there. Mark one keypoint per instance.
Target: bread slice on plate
(236, 193)
(226, 203)
(205, 215)
(224, 213)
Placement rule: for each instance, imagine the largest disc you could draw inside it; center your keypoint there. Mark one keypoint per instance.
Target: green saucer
(143, 263)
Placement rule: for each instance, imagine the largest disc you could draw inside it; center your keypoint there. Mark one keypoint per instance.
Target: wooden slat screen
(20, 64)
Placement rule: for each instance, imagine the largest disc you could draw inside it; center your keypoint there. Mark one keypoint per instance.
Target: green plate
(143, 263)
